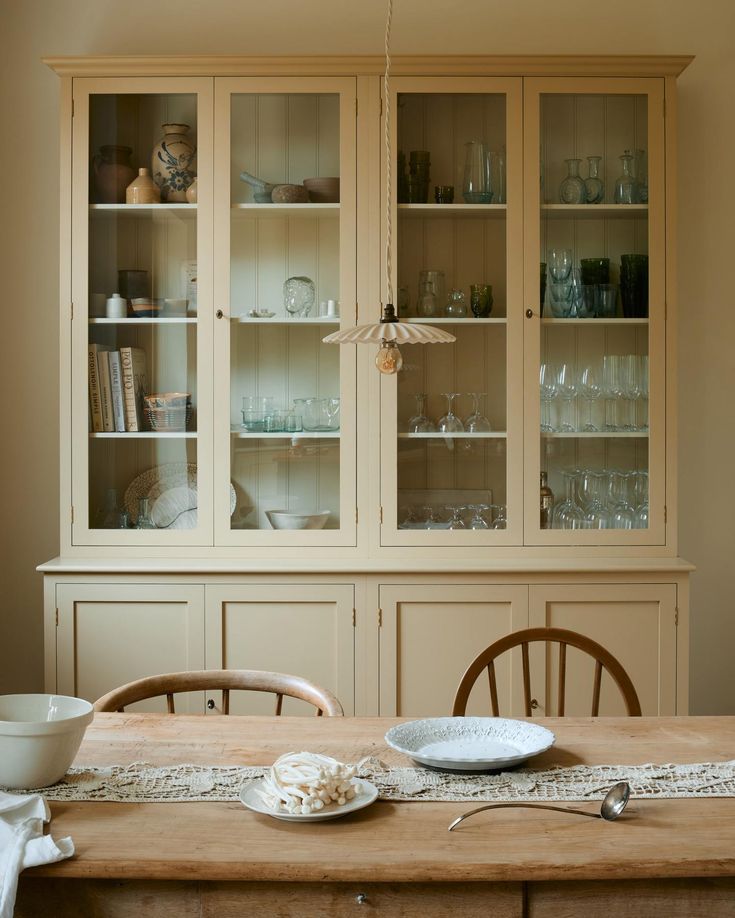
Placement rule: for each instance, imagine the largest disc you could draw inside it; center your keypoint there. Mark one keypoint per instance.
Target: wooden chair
(604, 660)
(249, 680)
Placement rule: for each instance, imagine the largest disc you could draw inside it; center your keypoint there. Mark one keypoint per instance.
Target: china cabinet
(237, 492)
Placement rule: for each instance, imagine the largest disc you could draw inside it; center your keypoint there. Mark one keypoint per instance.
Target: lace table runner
(143, 783)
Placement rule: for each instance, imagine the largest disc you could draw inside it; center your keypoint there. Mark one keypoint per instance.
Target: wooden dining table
(663, 857)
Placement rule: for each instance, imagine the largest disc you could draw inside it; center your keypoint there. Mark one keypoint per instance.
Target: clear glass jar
(626, 187)
(143, 520)
(572, 190)
(456, 307)
(593, 183)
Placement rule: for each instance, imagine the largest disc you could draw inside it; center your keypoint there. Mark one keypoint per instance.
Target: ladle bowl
(615, 801)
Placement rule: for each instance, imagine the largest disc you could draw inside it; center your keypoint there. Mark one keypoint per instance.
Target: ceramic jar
(112, 173)
(191, 192)
(143, 190)
(170, 162)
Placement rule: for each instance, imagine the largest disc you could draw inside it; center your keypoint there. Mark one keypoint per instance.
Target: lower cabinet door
(430, 634)
(303, 629)
(113, 633)
(635, 622)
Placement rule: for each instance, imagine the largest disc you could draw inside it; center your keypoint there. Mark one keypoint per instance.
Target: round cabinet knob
(210, 704)
(534, 703)
(361, 899)
(529, 313)
(220, 314)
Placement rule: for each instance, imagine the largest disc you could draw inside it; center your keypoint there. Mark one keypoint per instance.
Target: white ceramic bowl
(39, 737)
(280, 519)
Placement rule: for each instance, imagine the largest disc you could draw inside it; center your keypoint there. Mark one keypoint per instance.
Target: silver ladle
(616, 799)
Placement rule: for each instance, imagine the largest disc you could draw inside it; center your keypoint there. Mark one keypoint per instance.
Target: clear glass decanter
(593, 183)
(572, 190)
(144, 520)
(626, 187)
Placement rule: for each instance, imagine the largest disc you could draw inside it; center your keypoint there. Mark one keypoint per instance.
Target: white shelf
(463, 435)
(145, 435)
(245, 319)
(594, 322)
(453, 210)
(240, 434)
(285, 210)
(443, 320)
(137, 210)
(170, 320)
(595, 435)
(594, 211)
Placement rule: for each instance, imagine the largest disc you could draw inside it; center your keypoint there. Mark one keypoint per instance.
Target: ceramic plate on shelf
(469, 743)
(253, 801)
(172, 491)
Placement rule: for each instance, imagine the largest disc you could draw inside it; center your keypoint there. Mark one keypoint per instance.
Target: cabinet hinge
(355, 108)
(666, 513)
(381, 106)
(71, 310)
(72, 514)
(664, 101)
(676, 617)
(57, 618)
(381, 516)
(354, 617)
(72, 108)
(380, 618)
(356, 516)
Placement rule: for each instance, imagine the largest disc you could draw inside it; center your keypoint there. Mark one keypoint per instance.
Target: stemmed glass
(612, 387)
(548, 384)
(331, 408)
(566, 388)
(590, 388)
(644, 391)
(631, 386)
(478, 521)
(640, 520)
(501, 520)
(410, 521)
(596, 515)
(450, 423)
(456, 521)
(431, 521)
(560, 264)
(477, 422)
(568, 514)
(622, 513)
(420, 423)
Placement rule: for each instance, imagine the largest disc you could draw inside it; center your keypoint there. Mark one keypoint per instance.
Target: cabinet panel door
(429, 636)
(635, 622)
(296, 628)
(110, 634)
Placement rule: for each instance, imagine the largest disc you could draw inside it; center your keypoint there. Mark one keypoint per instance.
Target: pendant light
(389, 332)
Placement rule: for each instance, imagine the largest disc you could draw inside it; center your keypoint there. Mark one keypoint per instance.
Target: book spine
(95, 403)
(118, 403)
(128, 381)
(103, 372)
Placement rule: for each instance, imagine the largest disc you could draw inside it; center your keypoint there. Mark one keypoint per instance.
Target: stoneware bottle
(112, 173)
(191, 192)
(143, 190)
(170, 162)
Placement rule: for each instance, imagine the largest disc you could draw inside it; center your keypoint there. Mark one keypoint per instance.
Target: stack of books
(117, 384)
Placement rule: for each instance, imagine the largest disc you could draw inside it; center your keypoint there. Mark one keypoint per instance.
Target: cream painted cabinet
(112, 633)
(429, 634)
(637, 623)
(304, 628)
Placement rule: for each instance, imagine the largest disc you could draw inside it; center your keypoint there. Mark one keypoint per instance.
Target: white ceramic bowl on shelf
(281, 519)
(39, 737)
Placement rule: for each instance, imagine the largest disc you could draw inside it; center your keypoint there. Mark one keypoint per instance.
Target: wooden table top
(392, 841)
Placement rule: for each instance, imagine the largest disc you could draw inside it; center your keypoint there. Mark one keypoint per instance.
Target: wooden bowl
(323, 190)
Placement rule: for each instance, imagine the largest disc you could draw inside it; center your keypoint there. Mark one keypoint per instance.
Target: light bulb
(388, 359)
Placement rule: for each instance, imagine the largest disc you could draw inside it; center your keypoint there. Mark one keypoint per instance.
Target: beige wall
(30, 29)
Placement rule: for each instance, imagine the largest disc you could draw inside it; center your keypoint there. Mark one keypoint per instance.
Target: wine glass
(456, 521)
(420, 423)
(331, 408)
(568, 514)
(548, 384)
(501, 520)
(560, 264)
(612, 389)
(431, 521)
(596, 514)
(478, 521)
(477, 422)
(450, 423)
(590, 388)
(630, 368)
(622, 513)
(644, 391)
(566, 388)
(411, 520)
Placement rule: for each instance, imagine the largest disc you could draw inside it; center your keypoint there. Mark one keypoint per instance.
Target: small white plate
(255, 803)
(469, 743)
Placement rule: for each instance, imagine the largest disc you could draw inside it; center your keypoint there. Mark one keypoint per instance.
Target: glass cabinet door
(141, 397)
(452, 419)
(285, 277)
(595, 329)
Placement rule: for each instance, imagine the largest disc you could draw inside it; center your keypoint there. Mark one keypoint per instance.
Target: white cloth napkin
(23, 844)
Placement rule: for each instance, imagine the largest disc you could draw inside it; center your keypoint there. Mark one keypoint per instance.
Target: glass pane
(284, 298)
(452, 272)
(142, 312)
(594, 288)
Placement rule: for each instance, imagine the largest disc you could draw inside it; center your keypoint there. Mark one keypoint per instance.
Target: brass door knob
(529, 313)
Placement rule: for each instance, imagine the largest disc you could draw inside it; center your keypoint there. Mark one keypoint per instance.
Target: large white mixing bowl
(39, 737)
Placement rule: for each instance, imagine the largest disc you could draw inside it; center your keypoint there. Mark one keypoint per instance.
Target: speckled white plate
(469, 743)
(254, 802)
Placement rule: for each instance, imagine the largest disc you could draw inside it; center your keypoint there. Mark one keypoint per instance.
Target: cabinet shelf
(594, 211)
(443, 320)
(139, 210)
(245, 319)
(144, 435)
(170, 320)
(285, 210)
(453, 210)
(595, 435)
(462, 435)
(592, 323)
(239, 434)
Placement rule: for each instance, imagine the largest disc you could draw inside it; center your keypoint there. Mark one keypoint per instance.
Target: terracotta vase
(170, 162)
(112, 173)
(143, 190)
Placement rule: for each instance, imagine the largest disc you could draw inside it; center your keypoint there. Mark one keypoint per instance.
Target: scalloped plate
(469, 743)
(169, 481)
